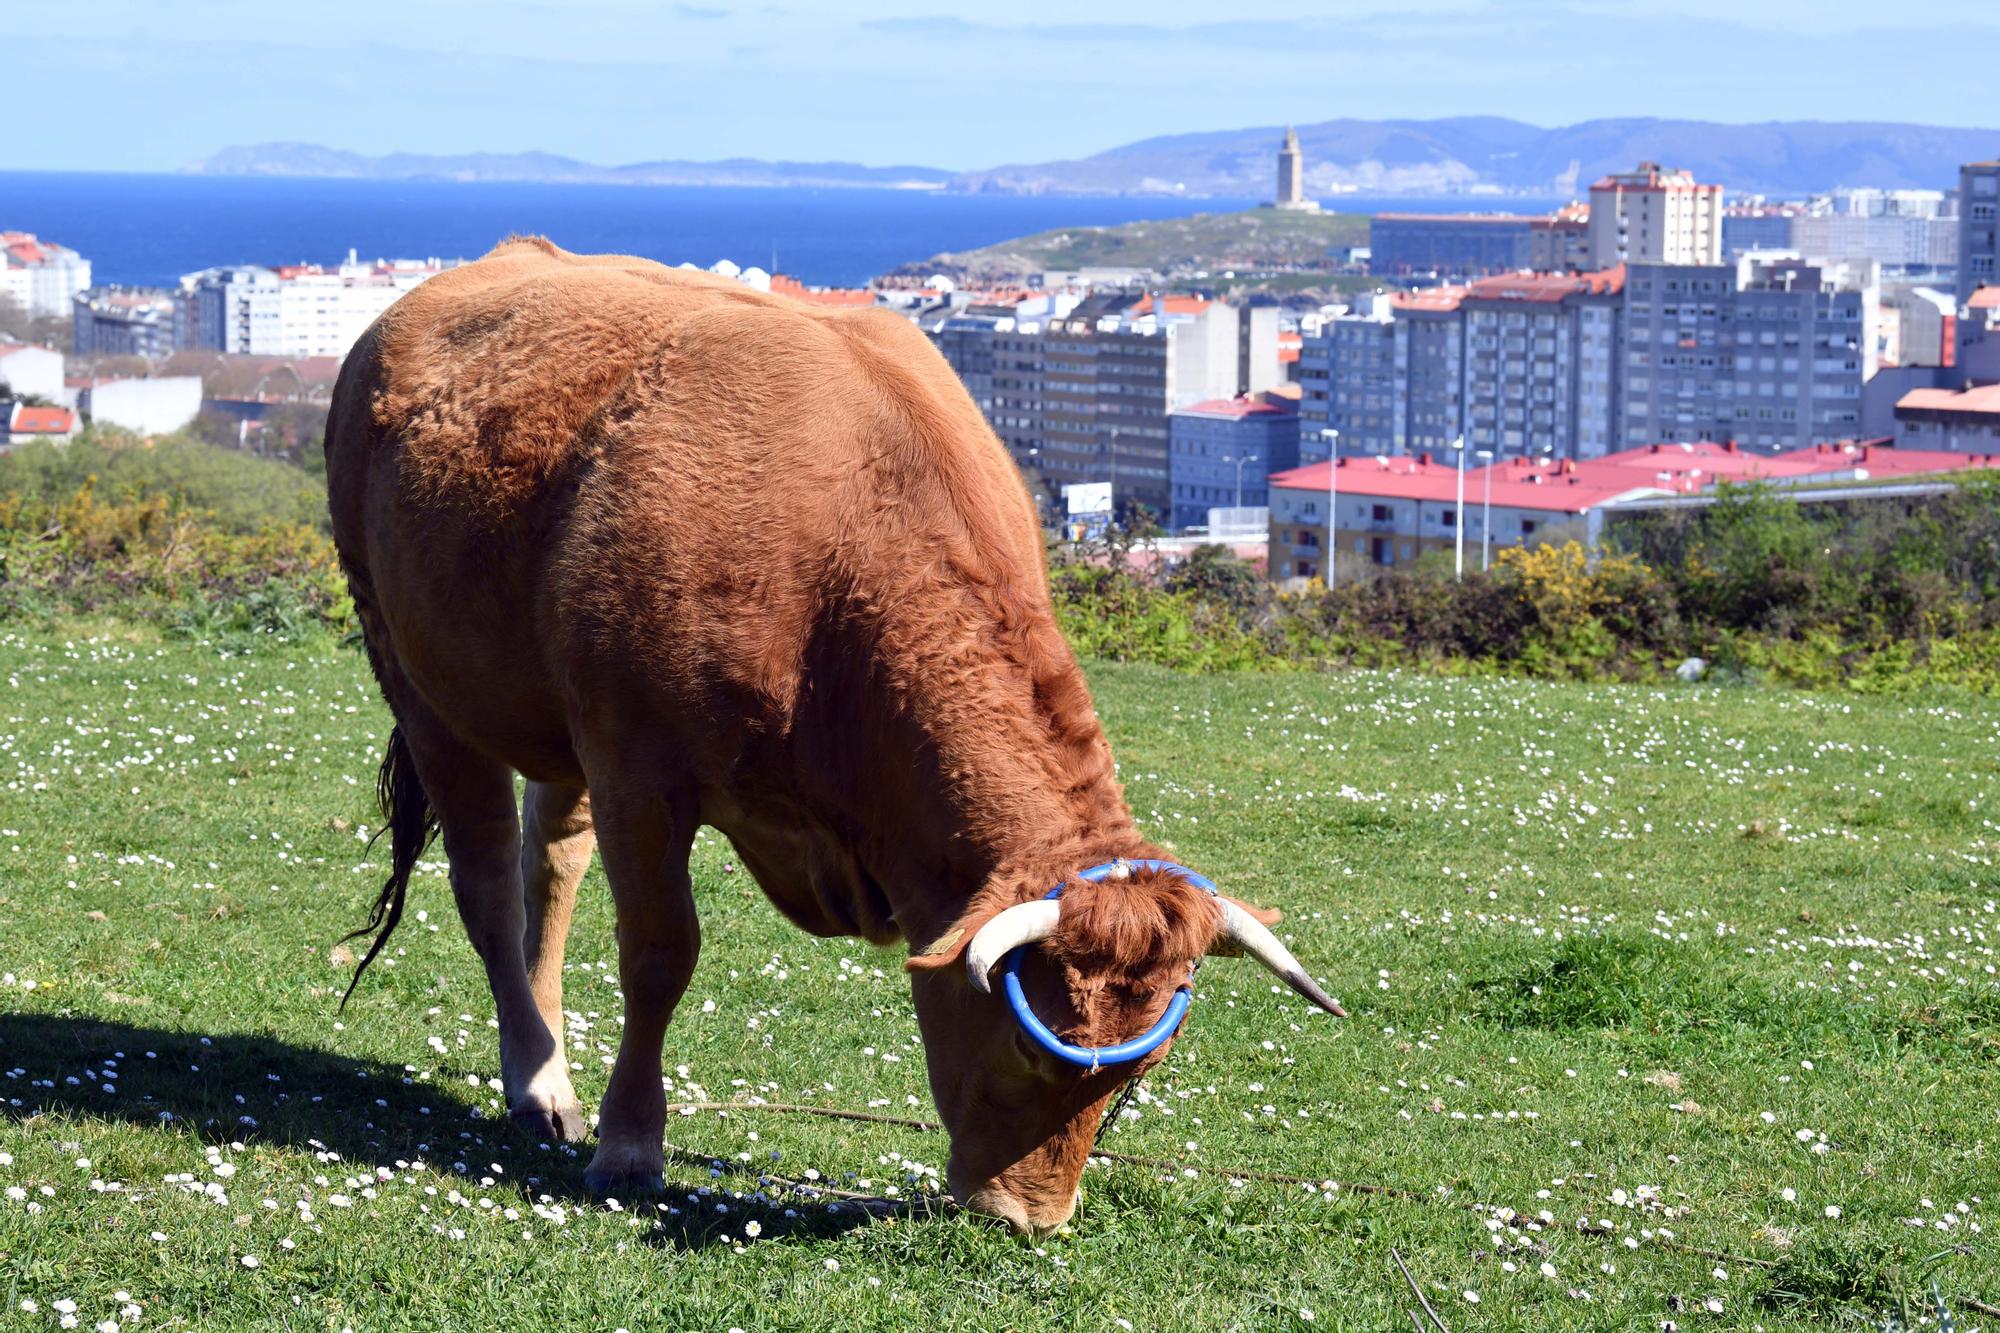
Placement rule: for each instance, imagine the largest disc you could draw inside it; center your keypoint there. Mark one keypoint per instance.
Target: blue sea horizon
(148, 230)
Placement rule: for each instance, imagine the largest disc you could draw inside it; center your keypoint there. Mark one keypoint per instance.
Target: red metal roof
(1422, 478)
(1243, 405)
(1878, 458)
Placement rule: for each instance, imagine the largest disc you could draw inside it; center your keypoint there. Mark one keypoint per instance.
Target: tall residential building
(1654, 216)
(296, 310)
(1978, 227)
(1899, 243)
(1450, 245)
(1348, 383)
(1927, 333)
(1519, 365)
(122, 321)
(40, 277)
(1111, 372)
(999, 358)
(1541, 364)
(1560, 242)
(1758, 226)
(1221, 452)
(1771, 352)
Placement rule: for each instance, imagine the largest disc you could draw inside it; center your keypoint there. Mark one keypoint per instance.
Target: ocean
(148, 230)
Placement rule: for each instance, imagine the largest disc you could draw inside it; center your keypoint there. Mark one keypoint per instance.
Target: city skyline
(610, 82)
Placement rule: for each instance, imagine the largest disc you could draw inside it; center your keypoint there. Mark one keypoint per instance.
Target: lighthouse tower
(1292, 176)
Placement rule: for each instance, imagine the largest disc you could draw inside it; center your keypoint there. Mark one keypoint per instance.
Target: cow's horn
(1023, 923)
(1253, 937)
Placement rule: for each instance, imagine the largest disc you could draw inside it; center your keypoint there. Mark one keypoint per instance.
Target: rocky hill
(1258, 239)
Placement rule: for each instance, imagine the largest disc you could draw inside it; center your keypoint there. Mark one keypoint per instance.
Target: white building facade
(39, 276)
(1654, 216)
(296, 311)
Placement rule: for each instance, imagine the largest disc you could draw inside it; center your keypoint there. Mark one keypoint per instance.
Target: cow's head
(1109, 957)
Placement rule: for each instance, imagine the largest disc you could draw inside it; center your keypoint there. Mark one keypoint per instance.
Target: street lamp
(1332, 438)
(1231, 458)
(1486, 515)
(1458, 514)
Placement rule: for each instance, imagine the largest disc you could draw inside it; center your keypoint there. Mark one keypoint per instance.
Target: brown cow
(683, 553)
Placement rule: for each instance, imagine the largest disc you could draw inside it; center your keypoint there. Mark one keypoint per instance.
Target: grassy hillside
(1258, 238)
(1664, 1001)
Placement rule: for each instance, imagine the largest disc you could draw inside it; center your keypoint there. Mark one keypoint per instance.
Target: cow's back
(555, 478)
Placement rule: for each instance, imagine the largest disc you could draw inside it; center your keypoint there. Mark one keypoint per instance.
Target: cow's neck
(1029, 792)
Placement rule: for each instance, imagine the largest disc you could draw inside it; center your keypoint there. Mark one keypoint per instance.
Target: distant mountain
(1484, 154)
(1473, 155)
(305, 159)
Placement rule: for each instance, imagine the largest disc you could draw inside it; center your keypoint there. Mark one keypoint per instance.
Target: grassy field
(1711, 972)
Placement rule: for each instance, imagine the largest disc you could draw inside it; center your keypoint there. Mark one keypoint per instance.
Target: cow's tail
(411, 824)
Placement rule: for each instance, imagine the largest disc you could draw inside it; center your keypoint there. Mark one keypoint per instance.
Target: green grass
(1255, 238)
(1590, 938)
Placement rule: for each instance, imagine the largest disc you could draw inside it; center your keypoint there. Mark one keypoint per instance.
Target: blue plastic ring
(1093, 1057)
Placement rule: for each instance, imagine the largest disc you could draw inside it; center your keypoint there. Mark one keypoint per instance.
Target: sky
(150, 85)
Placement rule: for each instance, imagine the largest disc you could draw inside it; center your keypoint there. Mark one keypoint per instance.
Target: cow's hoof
(623, 1185)
(560, 1123)
(621, 1172)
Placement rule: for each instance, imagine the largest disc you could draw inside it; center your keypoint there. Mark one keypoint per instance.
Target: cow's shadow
(257, 1089)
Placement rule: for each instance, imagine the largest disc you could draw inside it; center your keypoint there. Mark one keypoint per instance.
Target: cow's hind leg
(474, 800)
(557, 838)
(646, 842)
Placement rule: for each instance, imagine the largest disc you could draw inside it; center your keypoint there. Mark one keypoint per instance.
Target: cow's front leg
(645, 844)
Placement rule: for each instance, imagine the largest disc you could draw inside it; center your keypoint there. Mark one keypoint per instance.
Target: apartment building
(296, 310)
(1111, 372)
(1652, 215)
(122, 321)
(40, 277)
(1541, 364)
(1771, 352)
(1960, 421)
(1221, 451)
(1449, 245)
(1978, 227)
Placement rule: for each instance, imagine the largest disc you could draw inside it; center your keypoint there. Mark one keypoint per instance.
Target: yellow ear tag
(945, 942)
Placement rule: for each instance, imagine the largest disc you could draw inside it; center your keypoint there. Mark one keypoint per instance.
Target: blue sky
(152, 84)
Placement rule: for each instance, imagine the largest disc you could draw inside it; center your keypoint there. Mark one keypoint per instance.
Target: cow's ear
(1269, 916)
(947, 948)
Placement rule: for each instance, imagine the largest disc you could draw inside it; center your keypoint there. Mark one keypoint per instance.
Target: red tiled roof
(1175, 305)
(1986, 298)
(1429, 298)
(43, 420)
(1983, 400)
(785, 285)
(1547, 287)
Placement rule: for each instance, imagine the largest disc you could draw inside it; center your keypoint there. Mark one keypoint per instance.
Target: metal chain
(1131, 1086)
